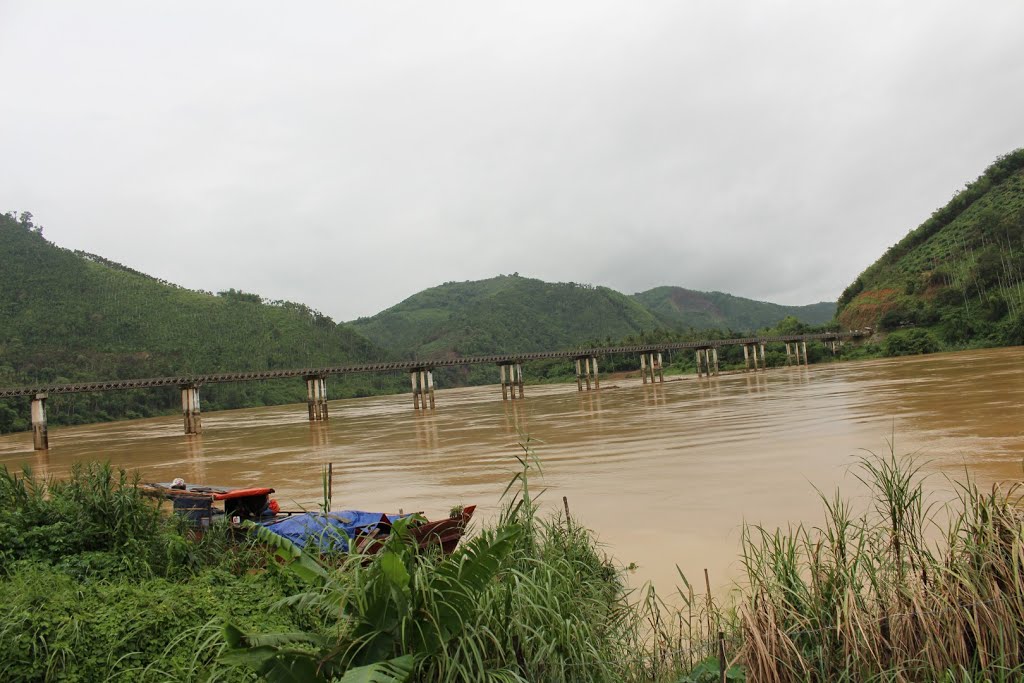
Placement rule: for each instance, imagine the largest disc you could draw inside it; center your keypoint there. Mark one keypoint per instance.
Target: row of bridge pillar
(512, 386)
(797, 354)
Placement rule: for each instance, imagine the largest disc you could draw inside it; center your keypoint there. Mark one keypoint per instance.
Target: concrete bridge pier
(752, 349)
(703, 363)
(316, 398)
(746, 357)
(583, 373)
(422, 380)
(764, 362)
(191, 414)
(804, 344)
(714, 356)
(789, 357)
(40, 439)
(651, 365)
(597, 378)
(514, 380)
(797, 353)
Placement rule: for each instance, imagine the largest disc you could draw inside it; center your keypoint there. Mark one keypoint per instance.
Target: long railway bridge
(421, 374)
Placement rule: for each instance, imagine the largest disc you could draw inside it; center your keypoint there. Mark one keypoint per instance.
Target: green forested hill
(678, 307)
(505, 313)
(958, 278)
(67, 316)
(512, 313)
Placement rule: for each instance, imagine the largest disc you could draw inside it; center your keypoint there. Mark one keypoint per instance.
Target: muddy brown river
(665, 474)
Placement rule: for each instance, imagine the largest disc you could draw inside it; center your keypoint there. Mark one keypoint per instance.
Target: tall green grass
(868, 596)
(531, 599)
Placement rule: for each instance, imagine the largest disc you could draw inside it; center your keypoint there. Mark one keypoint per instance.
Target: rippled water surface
(666, 474)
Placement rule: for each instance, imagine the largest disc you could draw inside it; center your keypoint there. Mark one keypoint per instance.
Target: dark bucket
(196, 509)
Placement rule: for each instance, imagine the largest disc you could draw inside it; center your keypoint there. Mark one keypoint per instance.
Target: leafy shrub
(909, 343)
(1011, 332)
(850, 293)
(894, 319)
(54, 627)
(957, 327)
(995, 308)
(97, 510)
(949, 297)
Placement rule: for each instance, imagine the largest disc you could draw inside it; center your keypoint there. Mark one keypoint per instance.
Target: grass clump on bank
(97, 584)
(867, 596)
(531, 599)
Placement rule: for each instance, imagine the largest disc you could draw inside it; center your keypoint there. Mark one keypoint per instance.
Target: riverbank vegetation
(97, 584)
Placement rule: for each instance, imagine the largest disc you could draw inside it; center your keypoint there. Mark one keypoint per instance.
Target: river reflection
(665, 473)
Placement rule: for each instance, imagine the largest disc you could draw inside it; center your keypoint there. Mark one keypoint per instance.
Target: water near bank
(666, 473)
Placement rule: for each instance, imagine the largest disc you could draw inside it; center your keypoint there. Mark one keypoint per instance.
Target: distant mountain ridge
(511, 313)
(504, 313)
(676, 306)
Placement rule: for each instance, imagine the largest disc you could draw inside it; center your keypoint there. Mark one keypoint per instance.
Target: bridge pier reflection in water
(195, 457)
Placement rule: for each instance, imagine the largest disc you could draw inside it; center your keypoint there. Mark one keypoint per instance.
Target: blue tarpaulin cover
(328, 532)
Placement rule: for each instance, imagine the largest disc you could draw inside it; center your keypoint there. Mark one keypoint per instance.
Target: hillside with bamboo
(958, 278)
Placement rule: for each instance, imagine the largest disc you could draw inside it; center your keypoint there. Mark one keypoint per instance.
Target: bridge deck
(220, 377)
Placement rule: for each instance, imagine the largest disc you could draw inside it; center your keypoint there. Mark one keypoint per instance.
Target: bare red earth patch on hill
(867, 307)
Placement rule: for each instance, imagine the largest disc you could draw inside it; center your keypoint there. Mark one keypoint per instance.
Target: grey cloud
(347, 155)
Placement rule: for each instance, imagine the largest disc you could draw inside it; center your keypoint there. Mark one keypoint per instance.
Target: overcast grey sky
(349, 154)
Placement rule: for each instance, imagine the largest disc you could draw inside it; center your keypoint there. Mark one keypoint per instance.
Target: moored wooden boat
(324, 532)
(367, 532)
(445, 533)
